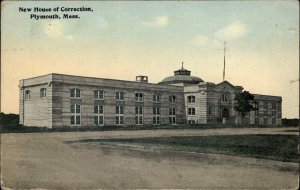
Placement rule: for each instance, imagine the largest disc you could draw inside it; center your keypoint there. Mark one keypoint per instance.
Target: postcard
(149, 94)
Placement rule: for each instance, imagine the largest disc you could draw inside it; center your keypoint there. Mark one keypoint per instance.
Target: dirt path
(44, 160)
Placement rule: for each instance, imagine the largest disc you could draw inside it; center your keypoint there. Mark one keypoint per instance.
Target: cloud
(234, 30)
(101, 24)
(200, 40)
(292, 29)
(55, 29)
(158, 22)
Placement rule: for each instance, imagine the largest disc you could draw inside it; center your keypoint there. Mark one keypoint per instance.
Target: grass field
(274, 147)
(24, 129)
(62, 161)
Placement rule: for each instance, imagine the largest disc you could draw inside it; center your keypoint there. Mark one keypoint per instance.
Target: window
(156, 115)
(265, 121)
(172, 116)
(191, 99)
(225, 112)
(138, 115)
(75, 93)
(172, 99)
(265, 105)
(191, 111)
(192, 122)
(273, 121)
(98, 94)
(172, 111)
(27, 94)
(75, 114)
(265, 108)
(273, 106)
(156, 110)
(210, 110)
(119, 115)
(256, 121)
(273, 113)
(43, 92)
(98, 109)
(260, 105)
(138, 110)
(224, 98)
(98, 115)
(172, 120)
(256, 108)
(120, 96)
(120, 110)
(139, 97)
(156, 98)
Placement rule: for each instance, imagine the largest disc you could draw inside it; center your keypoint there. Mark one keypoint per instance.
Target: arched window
(27, 94)
(225, 113)
(224, 98)
(43, 92)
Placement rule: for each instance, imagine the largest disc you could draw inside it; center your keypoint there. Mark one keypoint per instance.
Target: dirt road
(45, 160)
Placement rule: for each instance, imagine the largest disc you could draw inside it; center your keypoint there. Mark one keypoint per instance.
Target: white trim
(139, 115)
(75, 114)
(99, 115)
(75, 93)
(98, 97)
(119, 115)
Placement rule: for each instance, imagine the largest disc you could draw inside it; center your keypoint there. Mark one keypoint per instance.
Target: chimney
(141, 78)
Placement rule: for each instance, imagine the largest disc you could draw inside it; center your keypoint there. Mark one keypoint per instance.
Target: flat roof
(136, 82)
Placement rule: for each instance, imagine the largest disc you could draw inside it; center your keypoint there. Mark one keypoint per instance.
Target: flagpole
(224, 62)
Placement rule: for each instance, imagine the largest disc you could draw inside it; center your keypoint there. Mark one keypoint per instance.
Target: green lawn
(274, 147)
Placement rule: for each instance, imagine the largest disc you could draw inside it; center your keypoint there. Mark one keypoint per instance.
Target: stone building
(57, 100)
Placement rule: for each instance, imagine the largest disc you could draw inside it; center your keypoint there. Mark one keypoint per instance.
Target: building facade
(57, 100)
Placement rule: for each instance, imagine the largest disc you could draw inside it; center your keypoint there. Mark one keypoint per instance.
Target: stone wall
(36, 110)
(267, 114)
(54, 110)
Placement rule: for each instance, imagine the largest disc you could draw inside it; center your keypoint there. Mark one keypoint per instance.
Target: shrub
(9, 120)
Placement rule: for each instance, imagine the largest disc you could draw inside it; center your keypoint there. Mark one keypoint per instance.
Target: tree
(243, 103)
(9, 119)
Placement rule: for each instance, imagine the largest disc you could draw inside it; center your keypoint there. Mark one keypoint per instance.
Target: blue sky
(123, 39)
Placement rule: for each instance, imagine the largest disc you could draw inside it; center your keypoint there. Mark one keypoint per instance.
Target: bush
(290, 122)
(9, 120)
